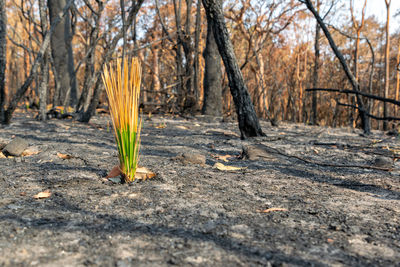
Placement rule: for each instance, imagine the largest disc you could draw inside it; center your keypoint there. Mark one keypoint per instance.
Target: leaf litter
(41, 195)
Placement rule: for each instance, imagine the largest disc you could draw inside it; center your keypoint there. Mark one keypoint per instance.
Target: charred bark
(387, 63)
(22, 90)
(316, 71)
(83, 102)
(61, 51)
(212, 76)
(248, 122)
(365, 121)
(44, 66)
(196, 67)
(3, 56)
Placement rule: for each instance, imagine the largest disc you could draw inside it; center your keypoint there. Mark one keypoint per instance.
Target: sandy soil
(194, 214)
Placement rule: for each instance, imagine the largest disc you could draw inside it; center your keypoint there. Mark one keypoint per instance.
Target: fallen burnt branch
(370, 115)
(346, 91)
(274, 150)
(369, 149)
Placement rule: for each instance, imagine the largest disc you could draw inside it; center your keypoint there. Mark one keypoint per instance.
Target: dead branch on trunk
(353, 81)
(346, 91)
(387, 118)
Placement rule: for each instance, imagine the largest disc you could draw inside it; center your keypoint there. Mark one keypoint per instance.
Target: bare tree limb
(162, 22)
(22, 90)
(356, 87)
(370, 115)
(388, 100)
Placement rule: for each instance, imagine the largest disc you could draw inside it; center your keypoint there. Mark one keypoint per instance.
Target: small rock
(193, 158)
(354, 229)
(255, 152)
(15, 147)
(115, 180)
(209, 226)
(2, 145)
(312, 211)
(335, 226)
(383, 162)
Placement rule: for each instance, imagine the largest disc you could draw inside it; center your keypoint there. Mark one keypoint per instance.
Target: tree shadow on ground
(129, 225)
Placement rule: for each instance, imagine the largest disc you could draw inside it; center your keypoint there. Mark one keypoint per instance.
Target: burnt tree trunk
(316, 71)
(196, 67)
(190, 101)
(61, 51)
(24, 87)
(387, 63)
(44, 66)
(365, 121)
(248, 122)
(83, 102)
(3, 56)
(212, 76)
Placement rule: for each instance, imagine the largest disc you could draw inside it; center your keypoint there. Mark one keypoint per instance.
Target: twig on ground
(327, 164)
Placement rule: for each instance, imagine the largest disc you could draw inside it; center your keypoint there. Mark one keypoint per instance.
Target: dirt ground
(194, 214)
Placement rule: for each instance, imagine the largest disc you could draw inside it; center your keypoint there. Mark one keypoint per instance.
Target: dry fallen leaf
(182, 127)
(143, 173)
(22, 194)
(62, 110)
(223, 167)
(44, 194)
(2, 156)
(272, 210)
(30, 151)
(376, 141)
(64, 156)
(161, 126)
(115, 171)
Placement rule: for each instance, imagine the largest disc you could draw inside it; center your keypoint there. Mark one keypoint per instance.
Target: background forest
(279, 48)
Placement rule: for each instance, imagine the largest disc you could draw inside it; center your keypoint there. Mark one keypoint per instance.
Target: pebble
(383, 162)
(193, 158)
(354, 229)
(115, 180)
(255, 152)
(15, 147)
(335, 226)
